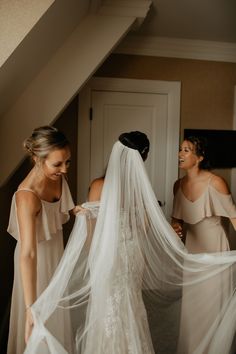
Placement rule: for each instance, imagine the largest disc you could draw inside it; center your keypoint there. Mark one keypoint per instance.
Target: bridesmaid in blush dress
(39, 207)
(201, 199)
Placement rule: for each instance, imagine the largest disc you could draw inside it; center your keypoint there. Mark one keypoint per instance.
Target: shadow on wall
(7, 245)
(67, 123)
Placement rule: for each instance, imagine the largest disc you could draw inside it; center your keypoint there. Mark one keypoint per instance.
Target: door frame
(233, 170)
(170, 88)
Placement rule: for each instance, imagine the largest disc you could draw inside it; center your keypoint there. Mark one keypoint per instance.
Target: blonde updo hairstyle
(44, 140)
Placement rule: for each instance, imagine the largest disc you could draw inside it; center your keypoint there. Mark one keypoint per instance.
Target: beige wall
(207, 91)
(207, 87)
(17, 19)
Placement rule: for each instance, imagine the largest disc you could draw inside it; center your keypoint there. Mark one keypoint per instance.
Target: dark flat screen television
(221, 146)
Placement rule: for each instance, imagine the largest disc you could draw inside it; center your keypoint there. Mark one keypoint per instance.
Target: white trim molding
(233, 170)
(178, 48)
(233, 179)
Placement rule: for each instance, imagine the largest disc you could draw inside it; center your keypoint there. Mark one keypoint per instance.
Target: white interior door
(122, 105)
(118, 112)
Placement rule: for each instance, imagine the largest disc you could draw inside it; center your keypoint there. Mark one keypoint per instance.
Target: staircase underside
(35, 88)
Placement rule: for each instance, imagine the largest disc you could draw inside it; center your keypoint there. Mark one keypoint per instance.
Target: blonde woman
(40, 206)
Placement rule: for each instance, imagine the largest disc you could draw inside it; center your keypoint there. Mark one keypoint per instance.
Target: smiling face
(187, 156)
(56, 163)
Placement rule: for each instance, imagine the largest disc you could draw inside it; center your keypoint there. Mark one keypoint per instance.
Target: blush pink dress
(204, 234)
(202, 219)
(49, 251)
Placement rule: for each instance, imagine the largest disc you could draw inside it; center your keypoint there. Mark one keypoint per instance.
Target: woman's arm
(95, 190)
(28, 206)
(221, 186)
(94, 195)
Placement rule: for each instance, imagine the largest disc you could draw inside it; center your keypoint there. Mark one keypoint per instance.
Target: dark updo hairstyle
(44, 140)
(136, 140)
(201, 149)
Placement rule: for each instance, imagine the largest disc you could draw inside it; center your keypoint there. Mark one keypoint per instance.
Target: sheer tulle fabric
(124, 267)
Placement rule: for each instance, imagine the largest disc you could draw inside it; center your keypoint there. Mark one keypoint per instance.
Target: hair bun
(44, 140)
(136, 140)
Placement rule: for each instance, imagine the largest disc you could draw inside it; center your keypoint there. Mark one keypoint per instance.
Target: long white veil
(121, 252)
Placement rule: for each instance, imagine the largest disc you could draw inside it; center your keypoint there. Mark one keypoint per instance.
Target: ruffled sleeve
(67, 203)
(210, 203)
(219, 204)
(53, 215)
(50, 218)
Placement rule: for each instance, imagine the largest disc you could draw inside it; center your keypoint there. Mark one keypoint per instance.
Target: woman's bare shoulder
(95, 189)
(219, 184)
(97, 182)
(27, 199)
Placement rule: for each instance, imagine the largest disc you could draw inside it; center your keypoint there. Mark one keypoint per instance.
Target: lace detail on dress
(126, 293)
(113, 306)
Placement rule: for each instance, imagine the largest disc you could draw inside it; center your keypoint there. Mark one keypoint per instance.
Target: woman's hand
(28, 324)
(178, 228)
(78, 209)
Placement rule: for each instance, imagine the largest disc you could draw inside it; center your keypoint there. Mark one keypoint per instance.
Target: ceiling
(211, 20)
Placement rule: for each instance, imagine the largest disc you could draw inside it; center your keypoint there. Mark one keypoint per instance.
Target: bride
(120, 249)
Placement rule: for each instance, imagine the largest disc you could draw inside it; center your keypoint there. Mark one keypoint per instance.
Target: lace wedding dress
(124, 328)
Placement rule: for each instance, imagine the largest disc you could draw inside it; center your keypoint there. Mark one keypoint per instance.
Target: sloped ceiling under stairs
(48, 51)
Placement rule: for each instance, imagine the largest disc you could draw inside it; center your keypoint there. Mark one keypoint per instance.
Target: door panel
(121, 105)
(118, 112)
